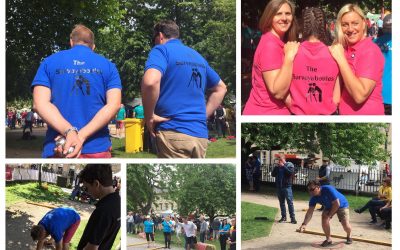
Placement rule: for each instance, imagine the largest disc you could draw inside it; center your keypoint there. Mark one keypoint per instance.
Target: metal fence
(343, 179)
(23, 174)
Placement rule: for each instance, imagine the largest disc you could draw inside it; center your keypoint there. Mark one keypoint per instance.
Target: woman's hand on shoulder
(337, 51)
(291, 49)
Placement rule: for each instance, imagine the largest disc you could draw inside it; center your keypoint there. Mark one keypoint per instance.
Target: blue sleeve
(42, 77)
(313, 202)
(114, 82)
(157, 60)
(212, 77)
(332, 194)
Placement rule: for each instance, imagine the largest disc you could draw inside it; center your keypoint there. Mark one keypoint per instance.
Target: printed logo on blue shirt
(81, 82)
(195, 78)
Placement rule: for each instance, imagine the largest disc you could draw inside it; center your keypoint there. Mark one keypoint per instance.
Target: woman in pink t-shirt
(360, 63)
(273, 60)
(315, 88)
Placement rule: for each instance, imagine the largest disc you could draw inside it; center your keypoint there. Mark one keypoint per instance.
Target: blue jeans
(286, 194)
(374, 206)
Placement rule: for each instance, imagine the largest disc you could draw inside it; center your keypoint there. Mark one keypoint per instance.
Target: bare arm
(52, 116)
(337, 92)
(358, 87)
(150, 94)
(40, 244)
(91, 247)
(215, 98)
(278, 81)
(335, 207)
(104, 115)
(307, 218)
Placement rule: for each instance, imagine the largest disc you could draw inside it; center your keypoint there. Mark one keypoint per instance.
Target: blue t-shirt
(385, 44)
(58, 220)
(224, 228)
(167, 226)
(121, 114)
(139, 112)
(328, 195)
(148, 226)
(185, 77)
(78, 79)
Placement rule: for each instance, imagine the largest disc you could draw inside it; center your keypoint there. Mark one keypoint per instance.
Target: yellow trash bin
(134, 129)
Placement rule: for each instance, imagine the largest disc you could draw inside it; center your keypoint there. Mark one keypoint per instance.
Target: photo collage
(207, 125)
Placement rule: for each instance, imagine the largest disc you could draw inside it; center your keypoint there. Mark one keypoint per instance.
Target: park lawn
(159, 238)
(252, 228)
(354, 201)
(222, 148)
(31, 192)
(79, 232)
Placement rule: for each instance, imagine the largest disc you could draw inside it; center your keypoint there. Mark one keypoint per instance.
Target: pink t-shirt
(268, 56)
(314, 76)
(366, 60)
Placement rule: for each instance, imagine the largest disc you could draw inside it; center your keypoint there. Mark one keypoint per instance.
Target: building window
(166, 206)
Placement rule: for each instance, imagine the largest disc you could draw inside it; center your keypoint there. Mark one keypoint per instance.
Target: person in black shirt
(105, 221)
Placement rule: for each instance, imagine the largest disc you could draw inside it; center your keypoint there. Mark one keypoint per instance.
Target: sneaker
(349, 241)
(357, 211)
(326, 243)
(372, 222)
(293, 221)
(283, 219)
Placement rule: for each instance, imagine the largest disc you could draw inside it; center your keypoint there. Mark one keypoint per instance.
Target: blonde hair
(270, 11)
(82, 34)
(344, 10)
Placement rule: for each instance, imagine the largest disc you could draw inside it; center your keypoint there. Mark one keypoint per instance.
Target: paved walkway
(284, 235)
(140, 243)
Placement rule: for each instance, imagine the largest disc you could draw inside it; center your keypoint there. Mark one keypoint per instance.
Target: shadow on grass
(18, 227)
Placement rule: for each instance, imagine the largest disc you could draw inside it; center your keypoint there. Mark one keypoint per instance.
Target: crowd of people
(25, 119)
(288, 77)
(192, 229)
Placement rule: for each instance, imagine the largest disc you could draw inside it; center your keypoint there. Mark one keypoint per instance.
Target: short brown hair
(270, 11)
(99, 172)
(82, 34)
(168, 27)
(37, 231)
(313, 183)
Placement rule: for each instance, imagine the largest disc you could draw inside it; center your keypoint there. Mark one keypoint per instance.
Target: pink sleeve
(271, 56)
(370, 66)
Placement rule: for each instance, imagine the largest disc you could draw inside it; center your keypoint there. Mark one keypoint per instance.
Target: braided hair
(314, 24)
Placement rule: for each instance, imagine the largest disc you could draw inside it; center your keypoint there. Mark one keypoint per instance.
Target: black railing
(341, 178)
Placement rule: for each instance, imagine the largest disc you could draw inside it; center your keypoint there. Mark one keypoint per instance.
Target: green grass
(32, 192)
(159, 238)
(79, 232)
(252, 228)
(222, 148)
(354, 201)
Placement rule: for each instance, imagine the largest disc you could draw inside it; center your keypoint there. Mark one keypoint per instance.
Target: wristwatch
(69, 130)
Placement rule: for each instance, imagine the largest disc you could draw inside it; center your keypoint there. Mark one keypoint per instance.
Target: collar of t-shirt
(106, 198)
(277, 39)
(313, 47)
(81, 47)
(173, 40)
(361, 45)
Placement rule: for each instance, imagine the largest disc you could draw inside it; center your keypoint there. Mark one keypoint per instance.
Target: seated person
(384, 196)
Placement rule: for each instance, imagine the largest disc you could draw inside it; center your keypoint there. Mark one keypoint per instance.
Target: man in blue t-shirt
(334, 203)
(173, 92)
(77, 92)
(385, 44)
(61, 223)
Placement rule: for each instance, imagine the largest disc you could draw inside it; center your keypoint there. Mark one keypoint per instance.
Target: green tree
(342, 142)
(204, 189)
(144, 183)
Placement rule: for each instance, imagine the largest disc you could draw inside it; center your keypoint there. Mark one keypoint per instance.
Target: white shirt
(189, 228)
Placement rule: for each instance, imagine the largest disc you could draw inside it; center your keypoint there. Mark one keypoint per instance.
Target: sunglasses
(311, 189)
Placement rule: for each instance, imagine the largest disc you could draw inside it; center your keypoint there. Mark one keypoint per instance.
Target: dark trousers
(202, 237)
(286, 194)
(256, 181)
(130, 227)
(374, 206)
(222, 241)
(167, 239)
(221, 127)
(386, 215)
